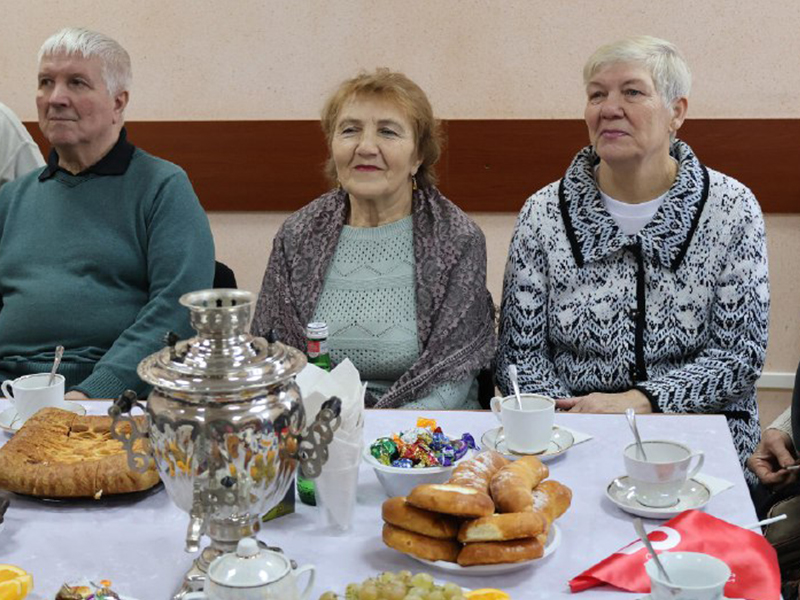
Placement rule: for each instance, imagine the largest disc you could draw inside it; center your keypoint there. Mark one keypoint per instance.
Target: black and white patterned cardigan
(679, 311)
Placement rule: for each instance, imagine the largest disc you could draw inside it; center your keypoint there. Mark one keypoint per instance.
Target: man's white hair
(663, 60)
(116, 64)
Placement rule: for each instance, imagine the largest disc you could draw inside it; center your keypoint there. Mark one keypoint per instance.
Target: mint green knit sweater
(368, 301)
(96, 263)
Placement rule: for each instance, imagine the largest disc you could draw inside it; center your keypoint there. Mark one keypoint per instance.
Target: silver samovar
(225, 424)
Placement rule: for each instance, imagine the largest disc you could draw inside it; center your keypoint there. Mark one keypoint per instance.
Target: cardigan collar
(592, 231)
(115, 162)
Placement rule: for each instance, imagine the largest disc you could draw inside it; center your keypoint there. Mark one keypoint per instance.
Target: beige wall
(249, 59)
(203, 59)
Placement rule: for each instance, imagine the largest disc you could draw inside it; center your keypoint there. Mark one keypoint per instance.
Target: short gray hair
(667, 67)
(116, 63)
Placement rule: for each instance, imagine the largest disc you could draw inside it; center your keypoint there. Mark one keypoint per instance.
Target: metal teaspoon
(639, 527)
(512, 375)
(631, 414)
(59, 354)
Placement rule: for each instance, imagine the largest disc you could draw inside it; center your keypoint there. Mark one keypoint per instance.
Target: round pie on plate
(58, 454)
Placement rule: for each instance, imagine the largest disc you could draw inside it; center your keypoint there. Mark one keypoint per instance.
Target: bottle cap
(317, 330)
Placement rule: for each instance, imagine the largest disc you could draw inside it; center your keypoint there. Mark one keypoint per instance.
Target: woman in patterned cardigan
(640, 278)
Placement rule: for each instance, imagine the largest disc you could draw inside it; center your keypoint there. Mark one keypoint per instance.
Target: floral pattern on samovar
(226, 425)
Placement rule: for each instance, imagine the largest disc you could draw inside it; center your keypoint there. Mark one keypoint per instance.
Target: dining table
(137, 542)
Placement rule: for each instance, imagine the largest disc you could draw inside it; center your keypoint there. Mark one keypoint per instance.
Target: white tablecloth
(139, 546)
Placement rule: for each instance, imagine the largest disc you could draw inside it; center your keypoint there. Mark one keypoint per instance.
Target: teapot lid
(249, 566)
(222, 357)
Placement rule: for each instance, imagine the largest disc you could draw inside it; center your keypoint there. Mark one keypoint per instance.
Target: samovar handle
(125, 430)
(312, 452)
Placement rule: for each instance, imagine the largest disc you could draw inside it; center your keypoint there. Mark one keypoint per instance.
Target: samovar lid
(222, 357)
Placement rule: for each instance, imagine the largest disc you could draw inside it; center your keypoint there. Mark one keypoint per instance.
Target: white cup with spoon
(32, 393)
(527, 419)
(692, 576)
(658, 479)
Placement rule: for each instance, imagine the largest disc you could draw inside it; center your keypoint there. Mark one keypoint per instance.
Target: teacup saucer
(11, 424)
(693, 495)
(561, 441)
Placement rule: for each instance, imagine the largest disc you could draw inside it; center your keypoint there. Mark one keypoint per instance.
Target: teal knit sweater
(368, 301)
(96, 262)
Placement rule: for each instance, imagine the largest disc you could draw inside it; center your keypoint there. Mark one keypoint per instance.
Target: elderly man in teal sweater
(97, 247)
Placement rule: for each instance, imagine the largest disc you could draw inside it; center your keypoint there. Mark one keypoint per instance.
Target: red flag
(754, 565)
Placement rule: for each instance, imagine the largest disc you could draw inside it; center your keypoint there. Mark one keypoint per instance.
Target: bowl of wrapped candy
(423, 454)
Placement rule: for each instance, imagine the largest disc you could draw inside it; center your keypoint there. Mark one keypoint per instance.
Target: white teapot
(253, 574)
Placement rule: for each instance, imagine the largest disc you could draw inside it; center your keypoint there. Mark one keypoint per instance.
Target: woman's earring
(413, 183)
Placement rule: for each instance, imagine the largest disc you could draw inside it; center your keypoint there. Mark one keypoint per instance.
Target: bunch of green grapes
(399, 586)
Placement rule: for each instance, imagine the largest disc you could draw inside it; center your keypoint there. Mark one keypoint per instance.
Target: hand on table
(773, 454)
(75, 395)
(598, 402)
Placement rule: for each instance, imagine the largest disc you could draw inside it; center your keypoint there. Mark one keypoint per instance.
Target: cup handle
(494, 404)
(312, 575)
(6, 387)
(700, 459)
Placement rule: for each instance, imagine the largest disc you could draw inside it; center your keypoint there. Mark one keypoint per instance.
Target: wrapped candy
(427, 423)
(448, 456)
(384, 450)
(461, 446)
(425, 445)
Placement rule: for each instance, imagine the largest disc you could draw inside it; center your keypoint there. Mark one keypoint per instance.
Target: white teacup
(529, 430)
(658, 480)
(31, 393)
(694, 576)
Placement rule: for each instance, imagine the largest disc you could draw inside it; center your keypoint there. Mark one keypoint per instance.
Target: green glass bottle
(317, 345)
(317, 351)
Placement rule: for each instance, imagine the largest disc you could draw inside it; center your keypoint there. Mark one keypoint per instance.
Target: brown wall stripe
(488, 165)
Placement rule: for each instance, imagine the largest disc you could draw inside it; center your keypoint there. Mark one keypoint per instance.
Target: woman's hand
(597, 402)
(75, 395)
(773, 454)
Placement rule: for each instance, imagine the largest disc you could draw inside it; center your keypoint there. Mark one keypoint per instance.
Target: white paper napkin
(715, 485)
(336, 485)
(344, 382)
(578, 436)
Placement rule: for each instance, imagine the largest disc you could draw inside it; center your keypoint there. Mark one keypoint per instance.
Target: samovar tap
(197, 518)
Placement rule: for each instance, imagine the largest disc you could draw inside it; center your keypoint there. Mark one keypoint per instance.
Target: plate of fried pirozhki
(492, 516)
